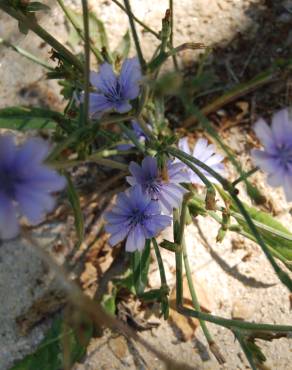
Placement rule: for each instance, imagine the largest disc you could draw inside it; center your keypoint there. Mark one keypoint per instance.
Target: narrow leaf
(140, 266)
(75, 204)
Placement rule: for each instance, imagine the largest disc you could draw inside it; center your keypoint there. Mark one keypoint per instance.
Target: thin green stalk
(210, 130)
(245, 176)
(233, 324)
(43, 34)
(61, 165)
(161, 58)
(80, 32)
(236, 92)
(26, 54)
(145, 128)
(178, 261)
(227, 323)
(210, 196)
(171, 33)
(132, 137)
(147, 28)
(78, 133)
(135, 35)
(87, 61)
(180, 154)
(160, 263)
(283, 276)
(239, 216)
(212, 345)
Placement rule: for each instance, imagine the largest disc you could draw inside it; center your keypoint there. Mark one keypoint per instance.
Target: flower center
(7, 182)
(153, 188)
(285, 155)
(114, 93)
(138, 217)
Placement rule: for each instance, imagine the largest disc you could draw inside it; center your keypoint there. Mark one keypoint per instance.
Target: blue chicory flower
(138, 132)
(206, 154)
(168, 192)
(135, 217)
(25, 184)
(113, 92)
(276, 158)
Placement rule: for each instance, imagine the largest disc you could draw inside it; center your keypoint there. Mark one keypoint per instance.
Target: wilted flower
(276, 158)
(135, 217)
(25, 184)
(167, 191)
(114, 92)
(139, 134)
(206, 154)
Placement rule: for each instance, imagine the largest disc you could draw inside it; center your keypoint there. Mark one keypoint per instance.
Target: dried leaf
(188, 325)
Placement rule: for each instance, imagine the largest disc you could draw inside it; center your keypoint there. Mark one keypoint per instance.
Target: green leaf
(275, 235)
(97, 30)
(49, 354)
(123, 48)
(140, 265)
(272, 231)
(23, 28)
(75, 204)
(36, 6)
(108, 302)
(24, 118)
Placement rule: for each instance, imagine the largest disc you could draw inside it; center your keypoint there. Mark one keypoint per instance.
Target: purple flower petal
(130, 78)
(7, 150)
(184, 146)
(136, 239)
(8, 220)
(26, 183)
(264, 160)
(206, 154)
(149, 167)
(132, 217)
(99, 103)
(33, 205)
(264, 133)
(106, 80)
(122, 106)
(281, 127)
(118, 236)
(276, 159)
(33, 151)
(287, 184)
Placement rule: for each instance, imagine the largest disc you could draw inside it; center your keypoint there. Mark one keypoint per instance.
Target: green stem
(43, 34)
(132, 137)
(87, 61)
(212, 345)
(161, 58)
(147, 28)
(160, 263)
(233, 324)
(135, 35)
(182, 155)
(26, 54)
(283, 276)
(245, 176)
(211, 131)
(171, 33)
(210, 198)
(178, 261)
(80, 32)
(60, 165)
(233, 94)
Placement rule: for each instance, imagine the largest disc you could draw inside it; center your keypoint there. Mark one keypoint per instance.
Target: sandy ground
(229, 279)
